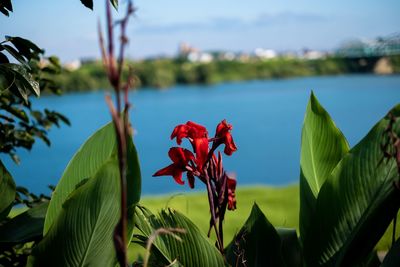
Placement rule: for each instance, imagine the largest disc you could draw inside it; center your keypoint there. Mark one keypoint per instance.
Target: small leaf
(115, 4)
(3, 58)
(19, 113)
(5, 7)
(7, 191)
(55, 61)
(88, 3)
(25, 227)
(25, 47)
(15, 54)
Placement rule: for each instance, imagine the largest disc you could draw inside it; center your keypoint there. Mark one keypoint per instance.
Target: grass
(281, 206)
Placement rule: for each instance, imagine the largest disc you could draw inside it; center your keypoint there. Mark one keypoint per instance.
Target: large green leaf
(256, 244)
(24, 227)
(84, 164)
(356, 203)
(322, 147)
(82, 233)
(7, 191)
(100, 147)
(193, 250)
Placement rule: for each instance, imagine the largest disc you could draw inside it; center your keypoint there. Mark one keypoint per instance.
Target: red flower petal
(191, 179)
(180, 156)
(200, 147)
(196, 130)
(231, 184)
(178, 176)
(223, 136)
(169, 170)
(230, 145)
(180, 131)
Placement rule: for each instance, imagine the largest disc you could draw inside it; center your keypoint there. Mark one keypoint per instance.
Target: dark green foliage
(7, 191)
(6, 7)
(89, 3)
(392, 259)
(26, 227)
(20, 123)
(256, 244)
(19, 234)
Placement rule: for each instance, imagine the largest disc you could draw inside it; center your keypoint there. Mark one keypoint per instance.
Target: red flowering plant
(204, 164)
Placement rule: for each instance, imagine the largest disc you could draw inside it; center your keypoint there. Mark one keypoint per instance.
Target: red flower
(198, 137)
(223, 136)
(180, 158)
(231, 184)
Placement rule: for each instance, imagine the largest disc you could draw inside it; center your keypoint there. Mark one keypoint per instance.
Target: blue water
(266, 115)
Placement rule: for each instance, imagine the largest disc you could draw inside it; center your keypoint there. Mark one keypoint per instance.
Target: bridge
(379, 47)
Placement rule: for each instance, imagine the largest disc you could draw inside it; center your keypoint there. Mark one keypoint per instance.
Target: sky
(69, 30)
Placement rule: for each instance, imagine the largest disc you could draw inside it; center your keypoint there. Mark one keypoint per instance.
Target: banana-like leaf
(24, 227)
(84, 164)
(99, 148)
(7, 191)
(82, 233)
(392, 258)
(256, 244)
(194, 249)
(356, 203)
(322, 147)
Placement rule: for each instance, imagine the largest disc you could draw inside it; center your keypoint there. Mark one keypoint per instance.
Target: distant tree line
(163, 73)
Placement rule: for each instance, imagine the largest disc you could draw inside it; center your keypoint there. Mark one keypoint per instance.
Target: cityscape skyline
(159, 27)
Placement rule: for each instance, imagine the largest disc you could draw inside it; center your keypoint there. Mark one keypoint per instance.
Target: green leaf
(322, 147)
(195, 248)
(88, 3)
(6, 7)
(114, 3)
(84, 164)
(82, 234)
(291, 249)
(392, 259)
(25, 227)
(22, 80)
(100, 147)
(7, 78)
(356, 203)
(15, 54)
(256, 244)
(25, 47)
(3, 58)
(7, 191)
(17, 112)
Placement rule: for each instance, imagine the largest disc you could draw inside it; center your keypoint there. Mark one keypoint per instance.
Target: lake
(266, 116)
